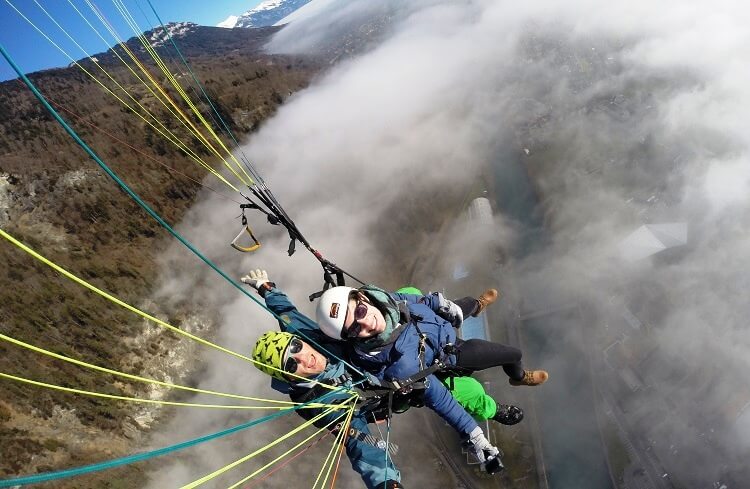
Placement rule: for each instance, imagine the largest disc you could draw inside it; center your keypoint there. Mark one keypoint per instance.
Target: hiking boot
(488, 297)
(508, 415)
(531, 377)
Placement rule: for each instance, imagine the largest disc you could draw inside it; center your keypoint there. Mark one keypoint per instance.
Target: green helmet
(409, 289)
(269, 352)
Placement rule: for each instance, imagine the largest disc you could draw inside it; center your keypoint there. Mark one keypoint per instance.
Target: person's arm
(440, 400)
(279, 303)
(437, 397)
(291, 319)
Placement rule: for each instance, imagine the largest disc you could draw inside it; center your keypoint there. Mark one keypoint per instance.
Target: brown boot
(531, 377)
(488, 297)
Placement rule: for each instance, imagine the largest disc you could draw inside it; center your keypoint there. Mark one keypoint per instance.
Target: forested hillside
(58, 201)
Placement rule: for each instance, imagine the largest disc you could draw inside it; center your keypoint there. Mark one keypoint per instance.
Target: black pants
(468, 305)
(476, 355)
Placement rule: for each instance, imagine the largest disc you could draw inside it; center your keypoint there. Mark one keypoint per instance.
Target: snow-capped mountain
(267, 13)
(160, 36)
(230, 22)
(309, 10)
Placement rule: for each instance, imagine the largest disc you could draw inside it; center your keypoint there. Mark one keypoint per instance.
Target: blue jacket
(366, 459)
(400, 359)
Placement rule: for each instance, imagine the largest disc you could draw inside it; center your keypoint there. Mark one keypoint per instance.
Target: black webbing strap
(329, 271)
(437, 365)
(315, 391)
(370, 439)
(404, 384)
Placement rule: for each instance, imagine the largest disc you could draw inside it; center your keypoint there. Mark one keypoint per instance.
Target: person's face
(303, 360)
(363, 320)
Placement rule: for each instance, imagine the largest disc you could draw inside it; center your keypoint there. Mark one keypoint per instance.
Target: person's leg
(472, 307)
(470, 394)
(478, 354)
(508, 415)
(468, 305)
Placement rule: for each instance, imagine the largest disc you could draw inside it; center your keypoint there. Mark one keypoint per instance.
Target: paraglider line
(287, 462)
(139, 457)
(140, 201)
(135, 377)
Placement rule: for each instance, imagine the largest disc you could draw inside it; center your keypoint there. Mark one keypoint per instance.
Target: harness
(398, 395)
(314, 392)
(384, 398)
(367, 438)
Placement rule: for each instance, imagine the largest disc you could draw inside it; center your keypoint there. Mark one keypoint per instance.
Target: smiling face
(309, 361)
(363, 316)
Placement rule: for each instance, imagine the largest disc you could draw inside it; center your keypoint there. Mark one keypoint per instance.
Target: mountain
(193, 40)
(175, 30)
(230, 22)
(311, 9)
(265, 14)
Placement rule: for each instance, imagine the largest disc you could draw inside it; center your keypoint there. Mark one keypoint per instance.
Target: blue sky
(32, 52)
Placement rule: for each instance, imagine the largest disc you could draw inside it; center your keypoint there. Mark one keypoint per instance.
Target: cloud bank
(622, 115)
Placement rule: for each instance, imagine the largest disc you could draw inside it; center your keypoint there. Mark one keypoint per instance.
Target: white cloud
(630, 113)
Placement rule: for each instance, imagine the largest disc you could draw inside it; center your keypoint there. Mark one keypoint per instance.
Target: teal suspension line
(71, 132)
(195, 78)
(139, 457)
(140, 201)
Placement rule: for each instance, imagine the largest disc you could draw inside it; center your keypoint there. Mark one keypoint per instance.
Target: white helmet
(331, 311)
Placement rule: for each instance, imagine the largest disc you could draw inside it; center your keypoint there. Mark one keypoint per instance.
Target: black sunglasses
(360, 312)
(290, 364)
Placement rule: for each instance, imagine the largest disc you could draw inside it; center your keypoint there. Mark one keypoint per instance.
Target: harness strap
(402, 384)
(313, 392)
(385, 390)
(370, 439)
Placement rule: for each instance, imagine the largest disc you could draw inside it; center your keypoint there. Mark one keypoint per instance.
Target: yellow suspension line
(237, 462)
(158, 96)
(342, 443)
(170, 136)
(168, 74)
(135, 399)
(180, 146)
(235, 485)
(331, 458)
(96, 62)
(156, 320)
(142, 379)
(165, 71)
(336, 448)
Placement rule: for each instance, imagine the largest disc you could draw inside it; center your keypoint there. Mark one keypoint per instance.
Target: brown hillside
(58, 201)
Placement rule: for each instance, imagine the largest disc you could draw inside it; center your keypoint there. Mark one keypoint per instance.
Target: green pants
(470, 394)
